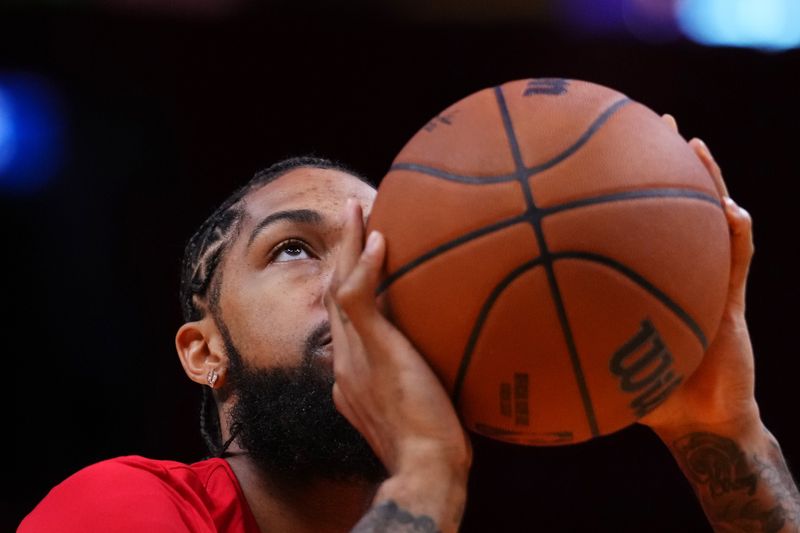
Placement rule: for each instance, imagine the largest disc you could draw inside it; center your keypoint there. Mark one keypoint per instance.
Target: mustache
(316, 341)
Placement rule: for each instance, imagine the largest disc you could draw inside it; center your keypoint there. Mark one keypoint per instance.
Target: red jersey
(135, 494)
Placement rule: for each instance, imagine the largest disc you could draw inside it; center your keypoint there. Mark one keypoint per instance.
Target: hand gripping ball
(558, 254)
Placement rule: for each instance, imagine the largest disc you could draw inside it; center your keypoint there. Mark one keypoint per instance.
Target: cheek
(277, 313)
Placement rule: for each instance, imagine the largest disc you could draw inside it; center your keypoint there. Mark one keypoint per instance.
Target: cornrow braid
(204, 253)
(209, 423)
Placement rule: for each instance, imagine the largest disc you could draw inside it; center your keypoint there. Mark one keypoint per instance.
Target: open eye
(290, 250)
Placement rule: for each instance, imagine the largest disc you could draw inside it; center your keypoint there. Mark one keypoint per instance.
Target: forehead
(320, 189)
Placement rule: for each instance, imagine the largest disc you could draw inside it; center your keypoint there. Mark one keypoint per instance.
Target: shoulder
(125, 494)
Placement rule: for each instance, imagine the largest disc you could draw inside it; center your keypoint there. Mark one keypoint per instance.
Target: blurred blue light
(765, 24)
(30, 133)
(7, 134)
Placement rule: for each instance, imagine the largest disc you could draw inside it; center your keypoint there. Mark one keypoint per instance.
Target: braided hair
(200, 281)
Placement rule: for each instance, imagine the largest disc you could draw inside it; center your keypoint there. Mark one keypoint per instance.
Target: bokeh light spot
(764, 24)
(31, 127)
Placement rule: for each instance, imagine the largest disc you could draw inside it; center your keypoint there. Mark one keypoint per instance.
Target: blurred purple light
(647, 20)
(652, 21)
(592, 16)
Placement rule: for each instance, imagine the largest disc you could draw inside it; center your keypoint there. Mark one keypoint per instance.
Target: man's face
(276, 329)
(277, 272)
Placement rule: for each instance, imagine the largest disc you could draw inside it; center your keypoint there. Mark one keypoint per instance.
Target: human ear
(200, 350)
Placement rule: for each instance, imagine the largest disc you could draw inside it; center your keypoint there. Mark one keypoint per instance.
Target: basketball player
(283, 331)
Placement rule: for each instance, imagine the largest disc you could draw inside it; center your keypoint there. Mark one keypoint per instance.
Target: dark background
(166, 112)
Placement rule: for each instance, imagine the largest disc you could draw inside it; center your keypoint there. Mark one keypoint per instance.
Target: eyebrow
(302, 216)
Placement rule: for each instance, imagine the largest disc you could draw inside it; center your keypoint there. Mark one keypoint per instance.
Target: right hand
(383, 385)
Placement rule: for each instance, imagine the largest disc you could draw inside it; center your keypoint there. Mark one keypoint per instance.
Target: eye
(290, 250)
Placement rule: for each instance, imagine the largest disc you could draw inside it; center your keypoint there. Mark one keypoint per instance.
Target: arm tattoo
(388, 517)
(738, 492)
(776, 476)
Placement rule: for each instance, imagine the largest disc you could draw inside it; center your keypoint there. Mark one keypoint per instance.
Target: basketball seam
(488, 303)
(619, 267)
(529, 171)
(450, 176)
(535, 221)
(544, 212)
(534, 215)
(642, 282)
(631, 195)
(442, 248)
(583, 139)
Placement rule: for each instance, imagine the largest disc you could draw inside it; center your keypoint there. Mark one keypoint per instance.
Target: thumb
(741, 228)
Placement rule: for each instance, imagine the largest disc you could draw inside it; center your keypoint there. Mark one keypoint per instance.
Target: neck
(319, 505)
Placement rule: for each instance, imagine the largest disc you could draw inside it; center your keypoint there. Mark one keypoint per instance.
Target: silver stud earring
(212, 378)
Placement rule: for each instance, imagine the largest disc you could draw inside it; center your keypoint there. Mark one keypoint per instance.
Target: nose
(326, 280)
(326, 277)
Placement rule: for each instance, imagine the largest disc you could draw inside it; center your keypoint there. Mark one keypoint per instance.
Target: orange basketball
(559, 255)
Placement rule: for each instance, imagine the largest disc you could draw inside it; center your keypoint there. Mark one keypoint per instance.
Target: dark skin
(271, 298)
(712, 424)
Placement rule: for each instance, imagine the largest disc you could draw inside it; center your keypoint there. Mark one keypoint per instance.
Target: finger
(711, 165)
(349, 355)
(364, 424)
(741, 227)
(341, 403)
(670, 121)
(348, 374)
(351, 244)
(348, 410)
(344, 406)
(356, 295)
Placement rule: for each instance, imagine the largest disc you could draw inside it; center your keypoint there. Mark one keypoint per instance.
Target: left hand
(720, 393)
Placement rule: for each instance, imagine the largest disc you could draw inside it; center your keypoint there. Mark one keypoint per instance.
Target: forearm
(739, 475)
(424, 500)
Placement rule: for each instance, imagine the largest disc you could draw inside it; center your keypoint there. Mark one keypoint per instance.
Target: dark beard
(287, 423)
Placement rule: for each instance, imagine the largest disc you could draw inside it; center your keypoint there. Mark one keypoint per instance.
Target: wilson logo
(644, 366)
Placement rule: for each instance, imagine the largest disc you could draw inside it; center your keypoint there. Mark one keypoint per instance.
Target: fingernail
(372, 243)
(705, 147)
(731, 205)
